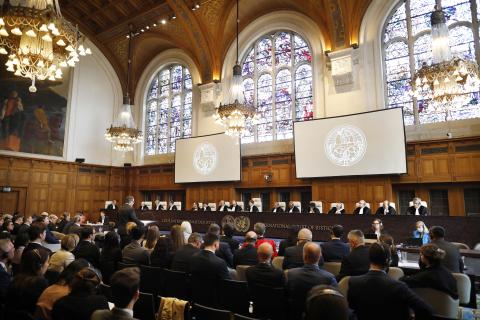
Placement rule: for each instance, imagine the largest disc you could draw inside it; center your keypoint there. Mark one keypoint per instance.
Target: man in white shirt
(252, 207)
(277, 208)
(417, 209)
(171, 206)
(158, 206)
(222, 206)
(362, 208)
(293, 208)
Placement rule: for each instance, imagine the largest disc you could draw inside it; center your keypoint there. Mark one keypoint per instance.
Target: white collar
(4, 266)
(212, 251)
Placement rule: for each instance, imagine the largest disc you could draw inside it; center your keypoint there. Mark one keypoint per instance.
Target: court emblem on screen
(345, 145)
(205, 159)
(242, 223)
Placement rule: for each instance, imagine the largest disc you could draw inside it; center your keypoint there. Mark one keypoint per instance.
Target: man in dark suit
(222, 207)
(125, 288)
(103, 218)
(171, 206)
(235, 207)
(74, 227)
(301, 280)
(277, 208)
(134, 252)
(17, 222)
(247, 255)
(206, 207)
(417, 209)
(377, 296)
(181, 259)
(251, 206)
(357, 262)
(362, 208)
(313, 208)
(223, 251)
(127, 214)
(335, 249)
(263, 273)
(386, 209)
(294, 255)
(158, 206)
(292, 208)
(453, 260)
(64, 219)
(36, 233)
(27, 221)
(112, 206)
(86, 248)
(228, 232)
(6, 254)
(337, 209)
(49, 237)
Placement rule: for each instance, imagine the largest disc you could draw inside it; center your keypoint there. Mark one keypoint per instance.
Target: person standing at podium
(127, 214)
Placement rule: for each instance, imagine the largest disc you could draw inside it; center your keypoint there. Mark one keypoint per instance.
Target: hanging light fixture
(38, 40)
(123, 133)
(446, 84)
(234, 113)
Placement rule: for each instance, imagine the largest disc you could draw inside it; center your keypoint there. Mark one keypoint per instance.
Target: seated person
(228, 232)
(134, 253)
(377, 228)
(172, 206)
(313, 208)
(195, 207)
(290, 241)
(335, 249)
(362, 208)
(103, 218)
(223, 250)
(386, 209)
(263, 273)
(294, 255)
(292, 208)
(222, 206)
(421, 231)
(452, 260)
(260, 230)
(251, 206)
(357, 262)
(433, 273)
(86, 248)
(337, 209)
(277, 208)
(144, 207)
(206, 207)
(388, 240)
(247, 254)
(158, 206)
(376, 296)
(181, 259)
(235, 207)
(326, 302)
(417, 209)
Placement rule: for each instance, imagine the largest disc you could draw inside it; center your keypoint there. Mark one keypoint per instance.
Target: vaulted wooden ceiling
(205, 34)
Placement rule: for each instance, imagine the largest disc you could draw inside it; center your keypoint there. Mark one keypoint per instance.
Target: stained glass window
(408, 44)
(277, 75)
(168, 109)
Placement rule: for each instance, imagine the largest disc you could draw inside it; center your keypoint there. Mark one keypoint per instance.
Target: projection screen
(207, 158)
(368, 143)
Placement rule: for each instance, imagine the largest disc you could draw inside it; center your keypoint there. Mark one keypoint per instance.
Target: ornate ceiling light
(123, 133)
(234, 113)
(447, 83)
(39, 42)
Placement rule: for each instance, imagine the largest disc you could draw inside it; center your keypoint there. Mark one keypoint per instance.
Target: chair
(343, 286)
(282, 205)
(123, 265)
(233, 274)
(176, 284)
(241, 272)
(333, 267)
(464, 286)
(423, 203)
(460, 245)
(442, 304)
(151, 279)
(277, 262)
(106, 291)
(241, 205)
(213, 206)
(204, 290)
(395, 273)
(148, 204)
(163, 204)
(240, 317)
(234, 296)
(178, 204)
(391, 204)
(319, 205)
(52, 276)
(144, 308)
(298, 204)
(270, 303)
(200, 312)
(258, 203)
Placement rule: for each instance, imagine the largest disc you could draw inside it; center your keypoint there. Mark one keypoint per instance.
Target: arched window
(168, 109)
(277, 73)
(407, 44)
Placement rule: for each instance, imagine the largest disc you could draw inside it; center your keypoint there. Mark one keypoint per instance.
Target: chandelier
(446, 84)
(123, 133)
(233, 114)
(39, 42)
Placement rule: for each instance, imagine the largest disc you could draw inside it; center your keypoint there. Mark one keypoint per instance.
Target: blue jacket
(425, 237)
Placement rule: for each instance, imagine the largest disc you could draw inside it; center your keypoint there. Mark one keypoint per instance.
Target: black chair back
(200, 312)
(176, 284)
(106, 290)
(144, 307)
(204, 291)
(123, 265)
(234, 296)
(151, 280)
(269, 302)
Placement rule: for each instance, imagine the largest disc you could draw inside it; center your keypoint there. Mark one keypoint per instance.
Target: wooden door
(9, 202)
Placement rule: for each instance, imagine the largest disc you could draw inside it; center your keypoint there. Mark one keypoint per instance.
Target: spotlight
(154, 24)
(163, 21)
(197, 5)
(173, 17)
(147, 27)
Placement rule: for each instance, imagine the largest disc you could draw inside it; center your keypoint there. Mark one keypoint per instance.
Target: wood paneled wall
(55, 186)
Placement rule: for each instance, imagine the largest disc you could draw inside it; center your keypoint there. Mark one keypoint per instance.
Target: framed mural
(33, 122)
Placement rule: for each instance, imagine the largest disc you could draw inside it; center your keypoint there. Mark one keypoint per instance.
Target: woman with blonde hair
(186, 229)
(63, 257)
(153, 233)
(421, 232)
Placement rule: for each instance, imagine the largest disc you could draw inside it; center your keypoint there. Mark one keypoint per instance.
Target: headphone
(323, 292)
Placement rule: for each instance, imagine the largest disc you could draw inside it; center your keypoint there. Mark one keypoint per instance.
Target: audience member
(377, 228)
(153, 233)
(223, 250)
(386, 209)
(228, 232)
(59, 289)
(186, 229)
(337, 209)
(292, 208)
(356, 262)
(452, 260)
(326, 302)
(247, 254)
(49, 237)
(312, 208)
(301, 280)
(335, 249)
(362, 208)
(181, 259)
(52, 226)
(7, 250)
(125, 286)
(178, 239)
(17, 222)
(103, 220)
(417, 209)
(63, 257)
(235, 207)
(263, 273)
(163, 252)
(74, 227)
(86, 248)
(260, 230)
(21, 241)
(433, 273)
(64, 219)
(388, 240)
(28, 284)
(8, 226)
(277, 208)
(27, 221)
(126, 238)
(134, 253)
(421, 232)
(290, 241)
(377, 296)
(82, 300)
(110, 256)
(294, 255)
(36, 234)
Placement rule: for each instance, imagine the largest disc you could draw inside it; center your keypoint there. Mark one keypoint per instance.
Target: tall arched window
(277, 73)
(407, 44)
(168, 109)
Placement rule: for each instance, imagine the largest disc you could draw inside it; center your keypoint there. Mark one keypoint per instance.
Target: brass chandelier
(39, 42)
(233, 114)
(446, 84)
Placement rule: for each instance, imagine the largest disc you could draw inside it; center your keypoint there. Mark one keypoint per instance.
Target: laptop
(370, 236)
(414, 242)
